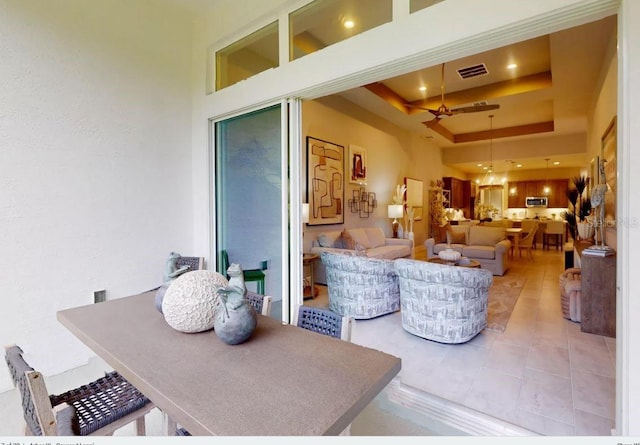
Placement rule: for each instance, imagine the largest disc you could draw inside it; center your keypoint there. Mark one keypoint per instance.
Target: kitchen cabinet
(460, 193)
(519, 190)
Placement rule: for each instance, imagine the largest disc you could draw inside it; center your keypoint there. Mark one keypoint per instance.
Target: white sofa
(487, 245)
(367, 241)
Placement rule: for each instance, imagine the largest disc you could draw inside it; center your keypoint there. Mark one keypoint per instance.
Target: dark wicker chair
(98, 408)
(261, 303)
(324, 321)
(194, 262)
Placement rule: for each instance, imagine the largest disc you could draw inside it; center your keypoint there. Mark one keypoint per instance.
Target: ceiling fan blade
(475, 108)
(433, 122)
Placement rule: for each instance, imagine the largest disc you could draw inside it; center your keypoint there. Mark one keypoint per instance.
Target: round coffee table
(471, 263)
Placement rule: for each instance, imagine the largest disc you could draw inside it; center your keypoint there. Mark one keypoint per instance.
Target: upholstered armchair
(361, 287)
(447, 304)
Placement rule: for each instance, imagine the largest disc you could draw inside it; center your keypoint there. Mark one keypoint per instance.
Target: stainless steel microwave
(536, 201)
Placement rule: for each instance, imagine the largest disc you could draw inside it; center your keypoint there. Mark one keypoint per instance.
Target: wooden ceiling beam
(441, 131)
(389, 96)
(497, 133)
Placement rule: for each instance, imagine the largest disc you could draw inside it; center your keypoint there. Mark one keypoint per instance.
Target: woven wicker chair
(324, 321)
(261, 303)
(194, 262)
(96, 409)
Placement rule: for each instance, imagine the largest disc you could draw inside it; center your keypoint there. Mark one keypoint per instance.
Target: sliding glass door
(249, 199)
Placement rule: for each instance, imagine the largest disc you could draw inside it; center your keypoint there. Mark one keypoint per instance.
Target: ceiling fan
(443, 111)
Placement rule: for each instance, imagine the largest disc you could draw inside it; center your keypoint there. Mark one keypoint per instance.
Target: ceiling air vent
(473, 71)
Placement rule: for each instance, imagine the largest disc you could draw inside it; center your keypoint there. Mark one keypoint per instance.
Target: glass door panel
(249, 198)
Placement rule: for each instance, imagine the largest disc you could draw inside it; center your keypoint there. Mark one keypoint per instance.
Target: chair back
(261, 303)
(194, 262)
(554, 228)
(325, 322)
(26, 378)
(527, 224)
(527, 241)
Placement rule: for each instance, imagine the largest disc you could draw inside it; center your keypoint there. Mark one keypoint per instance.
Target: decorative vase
(585, 230)
(449, 255)
(235, 322)
(400, 231)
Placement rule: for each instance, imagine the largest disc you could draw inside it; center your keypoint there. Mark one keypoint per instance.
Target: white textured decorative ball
(449, 255)
(190, 303)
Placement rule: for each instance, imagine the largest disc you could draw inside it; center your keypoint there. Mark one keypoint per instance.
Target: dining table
(514, 233)
(283, 381)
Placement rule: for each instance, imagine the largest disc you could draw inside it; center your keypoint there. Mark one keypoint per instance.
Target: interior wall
(95, 178)
(392, 154)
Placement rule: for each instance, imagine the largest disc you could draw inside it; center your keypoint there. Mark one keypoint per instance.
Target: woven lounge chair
(96, 409)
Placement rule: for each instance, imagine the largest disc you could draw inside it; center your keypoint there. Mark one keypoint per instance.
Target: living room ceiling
(548, 95)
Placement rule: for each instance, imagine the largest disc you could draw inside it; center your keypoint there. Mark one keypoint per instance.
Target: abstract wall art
(325, 182)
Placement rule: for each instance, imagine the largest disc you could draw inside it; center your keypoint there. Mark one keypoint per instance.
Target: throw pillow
(347, 241)
(486, 236)
(457, 234)
(328, 239)
(456, 237)
(360, 236)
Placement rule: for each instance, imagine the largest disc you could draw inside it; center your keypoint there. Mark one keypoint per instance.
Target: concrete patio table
(283, 381)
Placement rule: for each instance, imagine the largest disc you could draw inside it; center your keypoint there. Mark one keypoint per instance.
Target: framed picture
(608, 157)
(325, 182)
(357, 164)
(413, 197)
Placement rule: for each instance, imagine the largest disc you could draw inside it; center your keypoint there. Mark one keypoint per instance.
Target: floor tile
(543, 425)
(547, 356)
(507, 358)
(594, 393)
(547, 395)
(494, 393)
(591, 357)
(588, 424)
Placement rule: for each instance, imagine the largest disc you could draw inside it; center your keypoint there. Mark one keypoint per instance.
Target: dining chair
(194, 262)
(555, 230)
(261, 303)
(528, 241)
(95, 409)
(249, 275)
(526, 226)
(324, 321)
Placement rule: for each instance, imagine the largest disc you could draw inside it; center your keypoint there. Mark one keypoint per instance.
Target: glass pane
(253, 54)
(417, 5)
(249, 198)
(324, 22)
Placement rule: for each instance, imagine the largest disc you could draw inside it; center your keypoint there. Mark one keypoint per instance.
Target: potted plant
(577, 215)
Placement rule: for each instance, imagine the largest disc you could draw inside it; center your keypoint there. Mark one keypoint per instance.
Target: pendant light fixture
(488, 176)
(546, 189)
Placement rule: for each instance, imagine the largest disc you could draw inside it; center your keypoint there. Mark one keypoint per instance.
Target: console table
(598, 284)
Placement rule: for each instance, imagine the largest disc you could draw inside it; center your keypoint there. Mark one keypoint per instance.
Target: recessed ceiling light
(348, 24)
(556, 163)
(512, 66)
(485, 168)
(423, 88)
(518, 165)
(479, 165)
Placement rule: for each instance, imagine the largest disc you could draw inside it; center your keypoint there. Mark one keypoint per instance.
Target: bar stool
(555, 231)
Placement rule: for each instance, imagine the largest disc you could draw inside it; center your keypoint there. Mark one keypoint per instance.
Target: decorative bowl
(449, 255)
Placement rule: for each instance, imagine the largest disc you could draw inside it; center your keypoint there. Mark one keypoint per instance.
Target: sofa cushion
(481, 252)
(376, 237)
(329, 239)
(389, 252)
(457, 234)
(485, 236)
(359, 236)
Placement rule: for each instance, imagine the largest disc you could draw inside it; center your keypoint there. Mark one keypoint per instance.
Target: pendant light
(546, 190)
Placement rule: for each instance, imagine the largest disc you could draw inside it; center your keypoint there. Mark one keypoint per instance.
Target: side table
(308, 259)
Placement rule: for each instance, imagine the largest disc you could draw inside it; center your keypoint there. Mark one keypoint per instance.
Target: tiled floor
(542, 373)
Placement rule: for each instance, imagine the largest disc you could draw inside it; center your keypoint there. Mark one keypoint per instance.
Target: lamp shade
(305, 212)
(395, 210)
